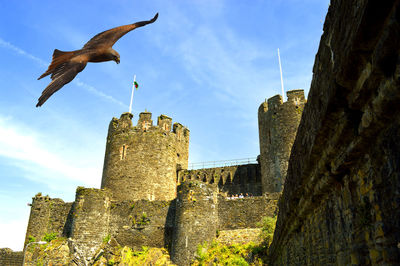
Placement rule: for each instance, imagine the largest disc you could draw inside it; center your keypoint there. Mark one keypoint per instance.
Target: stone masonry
(138, 204)
(277, 123)
(341, 201)
(141, 162)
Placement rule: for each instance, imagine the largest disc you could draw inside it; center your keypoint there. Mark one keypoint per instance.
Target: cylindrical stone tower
(278, 122)
(196, 219)
(141, 162)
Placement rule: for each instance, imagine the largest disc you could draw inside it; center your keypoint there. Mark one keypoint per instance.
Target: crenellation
(164, 122)
(125, 122)
(144, 123)
(238, 179)
(296, 96)
(275, 102)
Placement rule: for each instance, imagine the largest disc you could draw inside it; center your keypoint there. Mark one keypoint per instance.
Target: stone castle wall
(141, 162)
(341, 201)
(47, 216)
(278, 122)
(142, 223)
(231, 180)
(11, 258)
(245, 212)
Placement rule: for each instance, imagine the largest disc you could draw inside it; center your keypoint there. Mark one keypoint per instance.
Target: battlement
(145, 124)
(273, 103)
(296, 96)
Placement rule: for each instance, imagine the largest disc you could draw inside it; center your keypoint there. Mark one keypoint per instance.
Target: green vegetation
(215, 253)
(48, 237)
(31, 239)
(219, 254)
(145, 257)
(144, 219)
(267, 229)
(106, 238)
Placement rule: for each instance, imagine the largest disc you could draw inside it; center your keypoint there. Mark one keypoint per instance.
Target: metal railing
(222, 163)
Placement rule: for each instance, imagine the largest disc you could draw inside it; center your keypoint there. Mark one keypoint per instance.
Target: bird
(65, 66)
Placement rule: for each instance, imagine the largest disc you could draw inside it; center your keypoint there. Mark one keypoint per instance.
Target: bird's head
(115, 56)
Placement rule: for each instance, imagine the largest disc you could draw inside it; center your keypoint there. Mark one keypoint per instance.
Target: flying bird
(66, 65)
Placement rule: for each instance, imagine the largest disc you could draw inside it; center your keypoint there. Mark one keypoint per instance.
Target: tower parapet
(141, 161)
(278, 122)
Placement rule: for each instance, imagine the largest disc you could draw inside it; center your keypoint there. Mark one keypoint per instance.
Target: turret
(141, 162)
(278, 122)
(196, 219)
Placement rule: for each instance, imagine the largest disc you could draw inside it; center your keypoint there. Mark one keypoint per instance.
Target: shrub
(267, 229)
(215, 253)
(31, 239)
(48, 237)
(106, 239)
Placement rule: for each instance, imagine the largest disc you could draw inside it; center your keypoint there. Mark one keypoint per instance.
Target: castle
(341, 197)
(149, 198)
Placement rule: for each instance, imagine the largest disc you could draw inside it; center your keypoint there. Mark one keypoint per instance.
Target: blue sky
(208, 64)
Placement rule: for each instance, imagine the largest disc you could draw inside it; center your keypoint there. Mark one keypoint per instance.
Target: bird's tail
(59, 57)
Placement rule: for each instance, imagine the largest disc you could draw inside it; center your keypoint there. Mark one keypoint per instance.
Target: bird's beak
(117, 60)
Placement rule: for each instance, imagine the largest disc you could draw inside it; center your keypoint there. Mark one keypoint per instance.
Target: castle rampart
(278, 122)
(231, 180)
(142, 223)
(341, 201)
(245, 212)
(141, 162)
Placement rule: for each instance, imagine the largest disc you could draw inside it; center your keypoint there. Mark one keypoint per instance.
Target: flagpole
(280, 68)
(133, 88)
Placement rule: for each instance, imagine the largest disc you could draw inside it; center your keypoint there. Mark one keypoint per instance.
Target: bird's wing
(109, 37)
(64, 74)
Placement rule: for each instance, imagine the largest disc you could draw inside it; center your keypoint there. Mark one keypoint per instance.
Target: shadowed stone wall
(141, 162)
(277, 123)
(231, 180)
(341, 201)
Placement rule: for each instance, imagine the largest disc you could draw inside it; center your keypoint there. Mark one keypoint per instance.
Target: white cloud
(12, 233)
(31, 154)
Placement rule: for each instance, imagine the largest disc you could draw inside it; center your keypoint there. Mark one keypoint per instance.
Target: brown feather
(109, 37)
(64, 77)
(59, 57)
